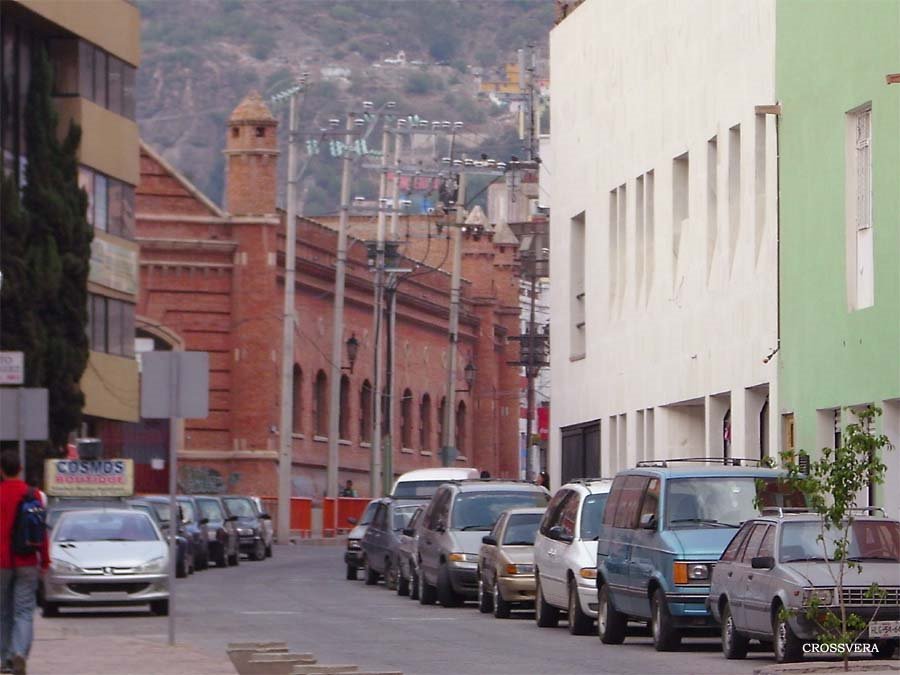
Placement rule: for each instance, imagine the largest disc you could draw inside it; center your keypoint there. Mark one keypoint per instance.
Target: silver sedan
(107, 557)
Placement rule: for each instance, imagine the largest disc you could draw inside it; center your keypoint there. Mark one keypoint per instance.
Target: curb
(867, 667)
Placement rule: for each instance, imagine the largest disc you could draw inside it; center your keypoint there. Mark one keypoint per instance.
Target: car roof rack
(725, 461)
(782, 511)
(870, 510)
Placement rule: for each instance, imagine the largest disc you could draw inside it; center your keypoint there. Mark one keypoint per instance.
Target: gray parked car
(353, 556)
(249, 524)
(406, 555)
(777, 562)
(458, 516)
(381, 543)
(266, 521)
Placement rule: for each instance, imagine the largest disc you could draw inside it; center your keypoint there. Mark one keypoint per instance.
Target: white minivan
(422, 483)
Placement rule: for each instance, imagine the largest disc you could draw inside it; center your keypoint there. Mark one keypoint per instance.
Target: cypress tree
(57, 256)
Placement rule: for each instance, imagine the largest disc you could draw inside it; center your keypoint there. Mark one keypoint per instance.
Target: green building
(839, 188)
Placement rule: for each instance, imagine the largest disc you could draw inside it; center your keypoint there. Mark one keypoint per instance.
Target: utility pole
(285, 454)
(449, 451)
(337, 341)
(391, 290)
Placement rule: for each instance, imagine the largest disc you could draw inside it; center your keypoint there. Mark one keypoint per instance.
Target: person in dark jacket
(19, 574)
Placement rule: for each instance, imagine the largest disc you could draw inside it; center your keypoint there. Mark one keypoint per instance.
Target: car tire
(234, 559)
(351, 572)
(269, 551)
(390, 576)
(501, 607)
(446, 595)
(180, 569)
(160, 607)
(413, 584)
(545, 614)
(734, 644)
(259, 550)
(611, 623)
(579, 622)
(886, 649)
(485, 599)
(787, 646)
(666, 637)
(370, 575)
(403, 584)
(50, 610)
(427, 592)
(219, 556)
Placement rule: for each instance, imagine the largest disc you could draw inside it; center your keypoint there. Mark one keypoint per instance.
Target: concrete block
(240, 653)
(276, 663)
(322, 669)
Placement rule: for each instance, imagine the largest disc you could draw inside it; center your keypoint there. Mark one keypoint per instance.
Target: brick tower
(251, 158)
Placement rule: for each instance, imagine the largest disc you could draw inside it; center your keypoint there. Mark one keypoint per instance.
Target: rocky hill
(201, 56)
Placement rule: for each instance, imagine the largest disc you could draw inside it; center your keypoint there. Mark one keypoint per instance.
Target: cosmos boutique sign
(89, 477)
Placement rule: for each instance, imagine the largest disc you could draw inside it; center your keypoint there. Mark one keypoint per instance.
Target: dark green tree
(57, 256)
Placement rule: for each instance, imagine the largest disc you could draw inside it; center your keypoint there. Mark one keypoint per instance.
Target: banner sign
(114, 266)
(89, 477)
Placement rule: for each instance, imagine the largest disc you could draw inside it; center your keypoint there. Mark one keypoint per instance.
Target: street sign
(174, 384)
(12, 367)
(23, 414)
(89, 478)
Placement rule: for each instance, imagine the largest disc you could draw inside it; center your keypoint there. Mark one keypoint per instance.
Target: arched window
(425, 423)
(365, 412)
(406, 421)
(442, 412)
(344, 416)
(297, 407)
(461, 427)
(320, 399)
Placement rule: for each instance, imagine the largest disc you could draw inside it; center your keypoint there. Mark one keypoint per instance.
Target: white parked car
(565, 555)
(423, 483)
(107, 557)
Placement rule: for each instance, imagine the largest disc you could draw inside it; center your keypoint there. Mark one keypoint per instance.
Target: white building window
(860, 249)
(577, 287)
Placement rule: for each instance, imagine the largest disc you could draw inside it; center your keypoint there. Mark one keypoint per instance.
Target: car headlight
(516, 569)
(244, 531)
(690, 572)
(212, 535)
(152, 566)
(823, 596)
(588, 572)
(466, 561)
(62, 567)
(353, 544)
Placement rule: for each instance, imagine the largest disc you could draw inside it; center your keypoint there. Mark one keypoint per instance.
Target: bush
(417, 84)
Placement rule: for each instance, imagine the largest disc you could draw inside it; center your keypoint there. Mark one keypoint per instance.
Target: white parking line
(269, 611)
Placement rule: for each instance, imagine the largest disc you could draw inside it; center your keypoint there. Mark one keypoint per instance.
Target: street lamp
(352, 350)
(469, 373)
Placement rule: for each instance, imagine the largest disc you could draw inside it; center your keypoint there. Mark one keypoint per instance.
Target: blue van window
(718, 501)
(650, 504)
(612, 503)
(630, 502)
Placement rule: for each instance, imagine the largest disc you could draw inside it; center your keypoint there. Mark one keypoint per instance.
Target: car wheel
(160, 607)
(269, 551)
(787, 646)
(886, 649)
(180, 569)
(219, 556)
(390, 576)
(370, 575)
(501, 606)
(414, 584)
(666, 637)
(50, 610)
(734, 645)
(427, 592)
(351, 572)
(545, 614)
(402, 584)
(446, 595)
(579, 622)
(485, 599)
(611, 623)
(234, 559)
(259, 550)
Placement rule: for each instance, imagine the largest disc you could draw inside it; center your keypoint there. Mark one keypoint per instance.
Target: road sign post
(23, 416)
(174, 385)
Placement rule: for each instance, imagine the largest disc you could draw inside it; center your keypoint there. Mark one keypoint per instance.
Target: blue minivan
(664, 526)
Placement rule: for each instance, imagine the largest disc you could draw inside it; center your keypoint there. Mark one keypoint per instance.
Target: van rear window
(423, 489)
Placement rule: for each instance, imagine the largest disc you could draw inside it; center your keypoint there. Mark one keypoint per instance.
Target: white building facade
(663, 176)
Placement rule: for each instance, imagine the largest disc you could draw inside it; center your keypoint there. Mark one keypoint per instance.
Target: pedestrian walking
(348, 490)
(24, 556)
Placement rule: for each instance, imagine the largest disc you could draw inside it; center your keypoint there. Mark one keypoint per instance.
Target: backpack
(30, 527)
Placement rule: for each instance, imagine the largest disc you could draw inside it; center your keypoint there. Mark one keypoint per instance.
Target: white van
(422, 483)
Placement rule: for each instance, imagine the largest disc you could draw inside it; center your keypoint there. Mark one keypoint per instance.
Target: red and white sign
(12, 368)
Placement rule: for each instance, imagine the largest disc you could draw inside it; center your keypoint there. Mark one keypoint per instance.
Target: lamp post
(352, 351)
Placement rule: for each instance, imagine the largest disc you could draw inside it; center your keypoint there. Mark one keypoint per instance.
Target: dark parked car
(381, 543)
(250, 527)
(158, 510)
(223, 536)
(268, 527)
(353, 556)
(195, 527)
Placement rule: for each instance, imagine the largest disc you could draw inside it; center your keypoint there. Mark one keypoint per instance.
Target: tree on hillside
(57, 256)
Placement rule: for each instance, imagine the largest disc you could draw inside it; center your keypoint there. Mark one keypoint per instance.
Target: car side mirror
(489, 540)
(231, 519)
(557, 532)
(204, 521)
(762, 562)
(648, 521)
(352, 520)
(265, 516)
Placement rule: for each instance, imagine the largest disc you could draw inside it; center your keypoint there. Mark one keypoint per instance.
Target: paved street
(301, 597)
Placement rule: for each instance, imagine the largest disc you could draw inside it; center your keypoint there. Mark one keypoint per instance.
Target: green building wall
(832, 56)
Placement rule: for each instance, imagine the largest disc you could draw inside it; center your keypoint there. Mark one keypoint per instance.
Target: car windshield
(240, 507)
(721, 501)
(402, 515)
(417, 488)
(108, 526)
(210, 509)
(368, 514)
(163, 512)
(62, 506)
(146, 508)
(187, 511)
(480, 510)
(521, 528)
(592, 515)
(868, 539)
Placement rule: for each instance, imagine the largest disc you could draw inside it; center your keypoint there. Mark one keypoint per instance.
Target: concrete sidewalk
(61, 649)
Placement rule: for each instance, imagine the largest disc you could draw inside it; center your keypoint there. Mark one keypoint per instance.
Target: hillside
(201, 56)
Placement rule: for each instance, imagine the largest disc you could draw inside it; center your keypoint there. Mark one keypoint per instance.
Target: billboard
(89, 477)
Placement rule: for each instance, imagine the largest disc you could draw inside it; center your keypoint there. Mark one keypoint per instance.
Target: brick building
(211, 279)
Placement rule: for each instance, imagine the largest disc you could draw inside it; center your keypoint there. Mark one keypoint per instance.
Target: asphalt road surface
(300, 596)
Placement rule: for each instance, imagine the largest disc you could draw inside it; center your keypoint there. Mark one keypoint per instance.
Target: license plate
(109, 595)
(884, 629)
